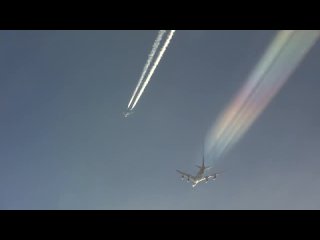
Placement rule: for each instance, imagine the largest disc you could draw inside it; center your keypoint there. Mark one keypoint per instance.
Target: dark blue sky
(64, 143)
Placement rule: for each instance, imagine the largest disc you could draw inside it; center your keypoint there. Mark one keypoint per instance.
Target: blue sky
(66, 145)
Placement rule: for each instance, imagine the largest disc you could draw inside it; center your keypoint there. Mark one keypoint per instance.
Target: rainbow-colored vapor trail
(279, 61)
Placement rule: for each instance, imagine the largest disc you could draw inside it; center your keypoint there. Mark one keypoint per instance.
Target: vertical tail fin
(202, 164)
(203, 156)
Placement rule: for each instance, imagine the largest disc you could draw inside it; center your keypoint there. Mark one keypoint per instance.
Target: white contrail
(145, 83)
(146, 66)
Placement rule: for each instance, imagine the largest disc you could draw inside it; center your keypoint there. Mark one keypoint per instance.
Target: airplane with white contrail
(128, 112)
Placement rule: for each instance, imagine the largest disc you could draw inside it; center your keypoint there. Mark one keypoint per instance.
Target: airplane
(129, 112)
(200, 177)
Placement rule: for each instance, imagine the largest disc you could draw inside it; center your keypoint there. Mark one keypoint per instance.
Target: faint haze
(65, 144)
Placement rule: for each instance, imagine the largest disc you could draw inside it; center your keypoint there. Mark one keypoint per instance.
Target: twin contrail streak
(153, 68)
(146, 66)
(276, 66)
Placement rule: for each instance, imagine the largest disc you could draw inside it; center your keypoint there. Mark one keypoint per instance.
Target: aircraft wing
(211, 176)
(186, 175)
(214, 176)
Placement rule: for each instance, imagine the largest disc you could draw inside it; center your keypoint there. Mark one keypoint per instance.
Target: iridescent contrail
(153, 68)
(146, 66)
(279, 61)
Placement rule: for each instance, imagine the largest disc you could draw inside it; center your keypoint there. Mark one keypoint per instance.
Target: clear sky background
(65, 144)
